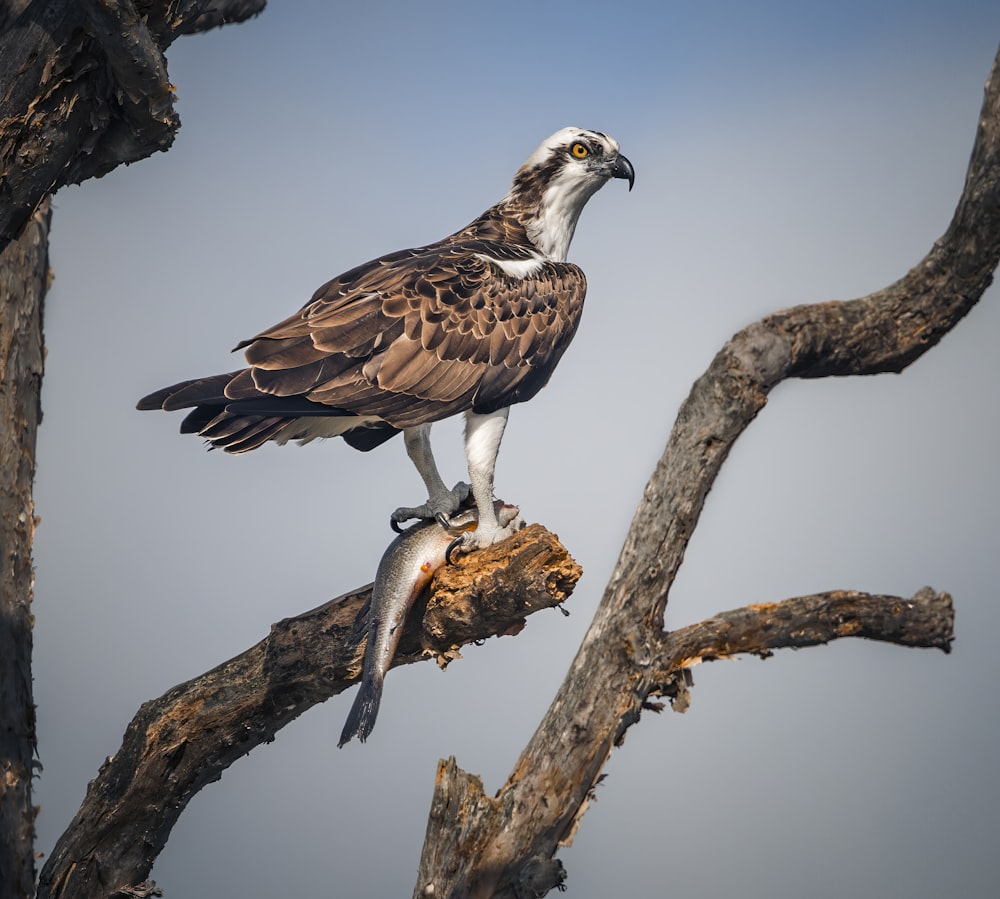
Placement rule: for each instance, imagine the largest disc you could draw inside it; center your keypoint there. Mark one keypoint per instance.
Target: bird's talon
(455, 544)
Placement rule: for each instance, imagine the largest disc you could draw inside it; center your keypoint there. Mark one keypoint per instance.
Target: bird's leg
(483, 434)
(440, 500)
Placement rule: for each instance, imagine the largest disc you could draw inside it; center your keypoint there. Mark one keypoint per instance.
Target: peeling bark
(184, 740)
(463, 819)
(86, 89)
(24, 280)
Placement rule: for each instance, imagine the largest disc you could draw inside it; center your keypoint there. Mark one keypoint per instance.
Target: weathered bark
(463, 817)
(926, 620)
(184, 740)
(86, 89)
(24, 279)
(613, 673)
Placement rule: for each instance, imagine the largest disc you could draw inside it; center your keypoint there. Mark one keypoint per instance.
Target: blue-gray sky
(785, 153)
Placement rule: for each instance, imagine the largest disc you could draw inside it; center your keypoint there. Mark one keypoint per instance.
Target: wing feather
(242, 386)
(187, 393)
(283, 352)
(412, 337)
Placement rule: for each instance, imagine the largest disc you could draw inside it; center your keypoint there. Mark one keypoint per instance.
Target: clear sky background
(785, 153)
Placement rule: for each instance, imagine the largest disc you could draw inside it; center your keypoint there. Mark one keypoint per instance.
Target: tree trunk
(85, 89)
(24, 279)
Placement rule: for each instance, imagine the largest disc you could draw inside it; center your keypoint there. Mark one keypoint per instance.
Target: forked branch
(512, 837)
(463, 816)
(482, 846)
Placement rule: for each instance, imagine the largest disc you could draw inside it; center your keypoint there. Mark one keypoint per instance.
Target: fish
(405, 569)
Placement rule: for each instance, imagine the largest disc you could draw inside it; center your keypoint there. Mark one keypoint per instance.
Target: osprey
(473, 323)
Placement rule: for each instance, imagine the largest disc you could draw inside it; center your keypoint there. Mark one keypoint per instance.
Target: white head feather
(560, 185)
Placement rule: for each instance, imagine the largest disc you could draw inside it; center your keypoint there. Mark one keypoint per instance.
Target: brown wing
(421, 334)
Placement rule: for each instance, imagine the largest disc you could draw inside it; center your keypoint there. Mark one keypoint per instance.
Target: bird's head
(555, 182)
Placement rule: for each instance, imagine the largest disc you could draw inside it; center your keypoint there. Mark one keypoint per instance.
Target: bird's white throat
(551, 229)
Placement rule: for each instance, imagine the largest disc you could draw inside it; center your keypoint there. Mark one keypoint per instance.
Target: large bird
(473, 323)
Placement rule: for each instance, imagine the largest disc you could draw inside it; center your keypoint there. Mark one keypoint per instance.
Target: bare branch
(183, 741)
(146, 120)
(66, 118)
(86, 89)
(925, 620)
(196, 16)
(462, 815)
(611, 675)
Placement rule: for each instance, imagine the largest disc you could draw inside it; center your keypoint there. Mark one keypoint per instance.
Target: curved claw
(447, 502)
(455, 544)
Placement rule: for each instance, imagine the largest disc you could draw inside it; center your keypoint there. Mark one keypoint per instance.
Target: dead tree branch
(504, 840)
(86, 89)
(93, 94)
(184, 740)
(462, 815)
(925, 620)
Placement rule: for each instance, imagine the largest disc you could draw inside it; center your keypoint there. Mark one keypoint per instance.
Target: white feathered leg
(483, 434)
(439, 498)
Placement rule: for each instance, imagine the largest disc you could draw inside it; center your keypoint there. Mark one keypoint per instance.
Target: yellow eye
(580, 151)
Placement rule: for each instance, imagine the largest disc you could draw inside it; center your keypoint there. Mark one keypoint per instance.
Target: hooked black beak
(622, 168)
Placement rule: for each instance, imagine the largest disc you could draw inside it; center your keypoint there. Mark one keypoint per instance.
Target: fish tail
(361, 718)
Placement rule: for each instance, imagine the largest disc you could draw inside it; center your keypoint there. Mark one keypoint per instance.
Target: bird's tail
(232, 414)
(361, 718)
